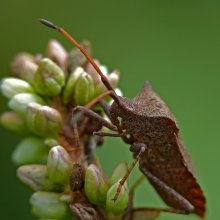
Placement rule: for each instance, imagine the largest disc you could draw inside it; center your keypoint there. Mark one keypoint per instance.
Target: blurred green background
(174, 44)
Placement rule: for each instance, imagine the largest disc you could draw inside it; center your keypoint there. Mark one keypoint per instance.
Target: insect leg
(123, 135)
(125, 177)
(80, 110)
(132, 212)
(136, 147)
(104, 134)
(116, 122)
(178, 202)
(98, 99)
(105, 107)
(157, 211)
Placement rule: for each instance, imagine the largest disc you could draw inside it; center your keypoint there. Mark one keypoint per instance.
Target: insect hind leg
(178, 203)
(133, 212)
(136, 147)
(127, 174)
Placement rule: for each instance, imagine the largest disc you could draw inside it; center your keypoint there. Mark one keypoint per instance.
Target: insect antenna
(90, 60)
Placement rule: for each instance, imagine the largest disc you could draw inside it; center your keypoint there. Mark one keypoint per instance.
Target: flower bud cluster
(51, 157)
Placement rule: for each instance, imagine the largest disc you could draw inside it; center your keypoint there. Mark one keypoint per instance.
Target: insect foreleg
(99, 99)
(106, 108)
(80, 110)
(106, 134)
(152, 209)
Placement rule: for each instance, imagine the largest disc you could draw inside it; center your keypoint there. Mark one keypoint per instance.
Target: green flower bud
(14, 122)
(38, 58)
(35, 176)
(99, 86)
(50, 142)
(43, 120)
(59, 165)
(30, 150)
(118, 92)
(67, 198)
(114, 78)
(118, 173)
(12, 86)
(76, 58)
(84, 89)
(24, 67)
(96, 185)
(20, 102)
(99, 89)
(70, 85)
(48, 205)
(122, 201)
(93, 73)
(49, 78)
(57, 53)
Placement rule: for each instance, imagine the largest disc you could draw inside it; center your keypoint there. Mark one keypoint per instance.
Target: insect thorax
(134, 123)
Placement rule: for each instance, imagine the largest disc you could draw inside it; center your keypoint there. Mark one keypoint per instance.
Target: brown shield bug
(147, 124)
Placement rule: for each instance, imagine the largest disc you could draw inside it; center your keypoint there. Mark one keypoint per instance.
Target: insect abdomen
(171, 176)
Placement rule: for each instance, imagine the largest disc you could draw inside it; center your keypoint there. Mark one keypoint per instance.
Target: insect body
(165, 162)
(146, 123)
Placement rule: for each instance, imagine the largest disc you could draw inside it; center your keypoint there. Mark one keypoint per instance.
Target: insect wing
(164, 162)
